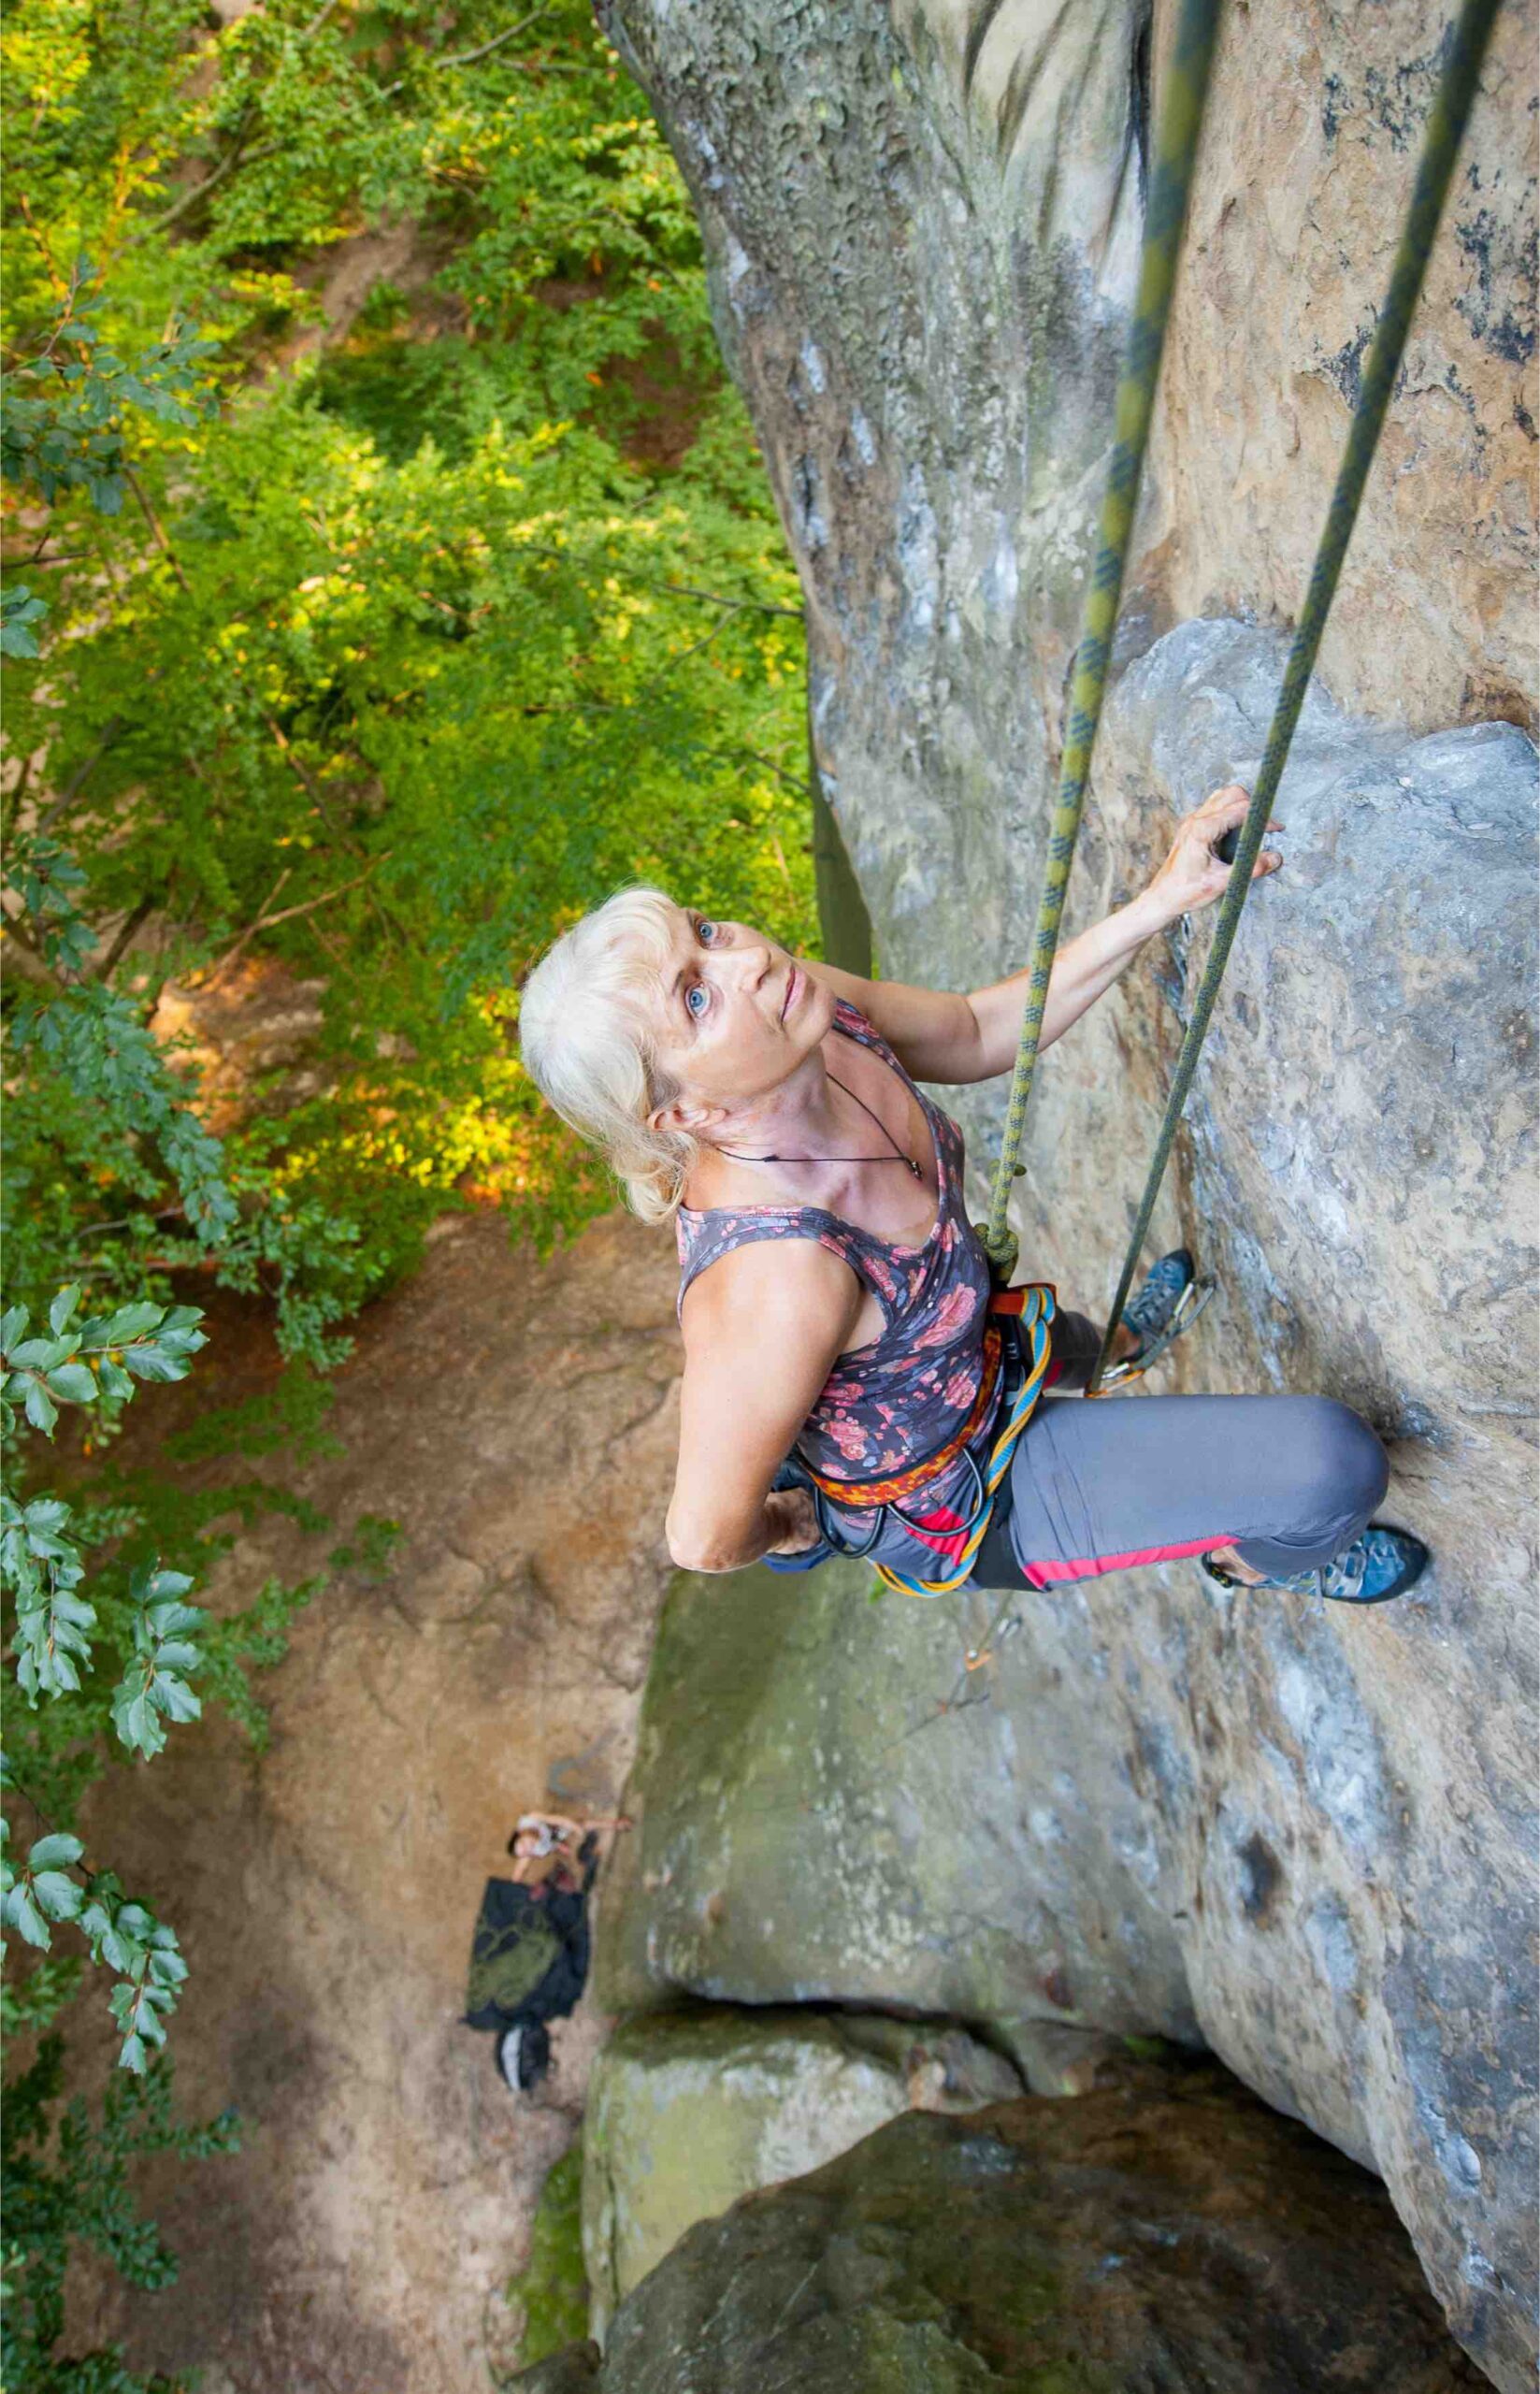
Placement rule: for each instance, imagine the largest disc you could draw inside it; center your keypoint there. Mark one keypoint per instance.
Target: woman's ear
(683, 1114)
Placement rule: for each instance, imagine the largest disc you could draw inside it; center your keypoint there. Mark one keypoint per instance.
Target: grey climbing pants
(1104, 1484)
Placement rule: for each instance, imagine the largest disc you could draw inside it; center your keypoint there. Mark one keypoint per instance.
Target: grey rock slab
(689, 2111)
(1172, 2233)
(1154, 1812)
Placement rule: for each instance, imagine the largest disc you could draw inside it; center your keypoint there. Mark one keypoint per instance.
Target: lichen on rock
(689, 2111)
(1172, 2232)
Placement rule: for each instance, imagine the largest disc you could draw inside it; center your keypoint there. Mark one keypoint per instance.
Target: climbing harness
(1176, 147)
(1016, 1349)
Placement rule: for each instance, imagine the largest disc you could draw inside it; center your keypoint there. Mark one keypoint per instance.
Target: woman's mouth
(792, 987)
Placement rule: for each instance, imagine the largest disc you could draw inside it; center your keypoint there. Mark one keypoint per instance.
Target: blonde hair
(587, 1038)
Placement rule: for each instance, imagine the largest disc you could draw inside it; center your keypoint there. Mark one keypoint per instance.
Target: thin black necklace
(896, 1157)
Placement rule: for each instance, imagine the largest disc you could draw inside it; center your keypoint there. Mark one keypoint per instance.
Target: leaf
(19, 1913)
(41, 1411)
(175, 1699)
(12, 1323)
(51, 1853)
(63, 1306)
(130, 1322)
(36, 1354)
(134, 1717)
(133, 2056)
(173, 1620)
(154, 1362)
(60, 1897)
(159, 1589)
(177, 1654)
(45, 1516)
(73, 1384)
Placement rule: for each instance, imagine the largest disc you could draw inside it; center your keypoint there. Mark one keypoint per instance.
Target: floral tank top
(886, 1406)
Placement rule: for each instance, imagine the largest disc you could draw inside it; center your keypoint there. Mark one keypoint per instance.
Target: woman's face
(736, 1016)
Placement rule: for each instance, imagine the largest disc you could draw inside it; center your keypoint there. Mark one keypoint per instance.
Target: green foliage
(66, 2181)
(419, 637)
(395, 575)
(63, 413)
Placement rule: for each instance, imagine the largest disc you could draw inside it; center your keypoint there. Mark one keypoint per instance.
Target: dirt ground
(518, 1420)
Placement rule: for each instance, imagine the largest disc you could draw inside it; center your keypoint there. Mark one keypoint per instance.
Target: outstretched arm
(944, 1037)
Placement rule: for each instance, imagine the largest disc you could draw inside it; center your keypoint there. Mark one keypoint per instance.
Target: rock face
(1168, 2235)
(1151, 1811)
(689, 2111)
(1304, 1838)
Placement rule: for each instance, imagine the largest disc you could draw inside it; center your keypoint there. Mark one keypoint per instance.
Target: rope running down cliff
(1176, 149)
(1446, 124)
(1185, 81)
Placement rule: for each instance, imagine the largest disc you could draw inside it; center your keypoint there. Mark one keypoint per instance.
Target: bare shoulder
(779, 1286)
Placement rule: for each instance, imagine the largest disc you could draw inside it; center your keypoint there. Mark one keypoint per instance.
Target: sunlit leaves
(21, 615)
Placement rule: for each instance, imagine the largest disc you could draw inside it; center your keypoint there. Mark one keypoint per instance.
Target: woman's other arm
(940, 1036)
(762, 1329)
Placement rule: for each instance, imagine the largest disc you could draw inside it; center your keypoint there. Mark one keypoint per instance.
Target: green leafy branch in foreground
(123, 1936)
(63, 412)
(67, 2181)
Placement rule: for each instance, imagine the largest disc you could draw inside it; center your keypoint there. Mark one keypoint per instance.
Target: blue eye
(705, 933)
(695, 990)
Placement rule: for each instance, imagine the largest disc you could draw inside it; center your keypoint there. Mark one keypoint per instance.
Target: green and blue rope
(1465, 48)
(1184, 87)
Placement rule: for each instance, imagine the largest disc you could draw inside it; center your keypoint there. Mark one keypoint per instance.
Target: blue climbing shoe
(1382, 1563)
(1170, 1301)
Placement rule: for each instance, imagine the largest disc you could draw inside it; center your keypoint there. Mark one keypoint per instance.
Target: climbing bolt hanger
(1447, 121)
(1183, 83)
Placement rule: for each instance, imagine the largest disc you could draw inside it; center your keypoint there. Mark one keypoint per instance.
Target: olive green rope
(1441, 143)
(1185, 83)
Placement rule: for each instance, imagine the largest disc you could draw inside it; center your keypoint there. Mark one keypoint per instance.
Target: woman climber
(842, 1379)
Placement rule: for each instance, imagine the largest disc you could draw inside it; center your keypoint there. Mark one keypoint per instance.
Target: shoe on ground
(1382, 1563)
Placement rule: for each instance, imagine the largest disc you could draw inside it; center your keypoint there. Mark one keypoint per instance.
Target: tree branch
(81, 775)
(471, 57)
(126, 930)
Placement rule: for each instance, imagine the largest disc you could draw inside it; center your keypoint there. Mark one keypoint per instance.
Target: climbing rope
(1184, 83)
(1445, 127)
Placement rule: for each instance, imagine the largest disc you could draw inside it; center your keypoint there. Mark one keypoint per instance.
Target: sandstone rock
(689, 2111)
(1175, 2234)
(1212, 1819)
(1306, 1840)
(573, 2371)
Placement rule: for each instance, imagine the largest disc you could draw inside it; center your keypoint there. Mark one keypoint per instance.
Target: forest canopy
(389, 573)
